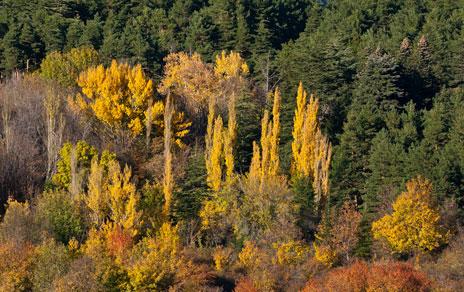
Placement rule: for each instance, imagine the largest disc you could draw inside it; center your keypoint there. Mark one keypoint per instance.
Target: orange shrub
(245, 285)
(395, 276)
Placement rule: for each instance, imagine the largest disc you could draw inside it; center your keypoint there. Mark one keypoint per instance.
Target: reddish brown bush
(395, 276)
(245, 285)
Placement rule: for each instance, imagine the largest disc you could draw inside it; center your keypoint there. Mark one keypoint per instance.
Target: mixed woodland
(231, 145)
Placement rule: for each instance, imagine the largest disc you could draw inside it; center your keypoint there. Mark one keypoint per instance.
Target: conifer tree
(376, 93)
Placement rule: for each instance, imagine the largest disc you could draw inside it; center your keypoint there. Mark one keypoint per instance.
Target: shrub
(51, 261)
(394, 276)
(18, 224)
(60, 215)
(15, 266)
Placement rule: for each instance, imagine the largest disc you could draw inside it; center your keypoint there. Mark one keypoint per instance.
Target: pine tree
(376, 93)
(242, 33)
(201, 35)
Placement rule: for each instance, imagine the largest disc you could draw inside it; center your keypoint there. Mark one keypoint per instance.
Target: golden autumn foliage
(220, 144)
(168, 181)
(156, 261)
(187, 76)
(113, 196)
(249, 255)
(230, 65)
(123, 198)
(15, 265)
(230, 136)
(414, 224)
(291, 252)
(122, 97)
(222, 258)
(214, 166)
(265, 161)
(119, 95)
(311, 150)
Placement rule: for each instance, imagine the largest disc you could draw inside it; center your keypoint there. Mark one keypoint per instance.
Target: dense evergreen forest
(231, 145)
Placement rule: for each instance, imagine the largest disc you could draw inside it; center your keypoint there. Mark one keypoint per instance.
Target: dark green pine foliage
(439, 155)
(376, 93)
(223, 15)
(248, 130)
(242, 37)
(387, 167)
(202, 35)
(73, 35)
(92, 35)
(454, 152)
(457, 61)
(31, 47)
(12, 58)
(326, 66)
(192, 189)
(262, 56)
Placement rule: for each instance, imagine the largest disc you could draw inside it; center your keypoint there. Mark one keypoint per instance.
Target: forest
(232, 145)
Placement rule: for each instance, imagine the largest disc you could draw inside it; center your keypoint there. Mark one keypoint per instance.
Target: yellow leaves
(121, 96)
(305, 127)
(220, 144)
(311, 150)
(265, 163)
(156, 261)
(118, 95)
(113, 196)
(222, 257)
(186, 75)
(212, 211)
(230, 65)
(291, 253)
(324, 254)
(123, 198)
(249, 255)
(414, 224)
(168, 181)
(215, 174)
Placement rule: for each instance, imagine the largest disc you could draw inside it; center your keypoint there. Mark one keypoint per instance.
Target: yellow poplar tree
(168, 181)
(265, 161)
(188, 77)
(311, 150)
(112, 198)
(230, 65)
(97, 198)
(123, 198)
(121, 97)
(215, 163)
(274, 140)
(213, 160)
(414, 224)
(118, 95)
(305, 128)
(323, 156)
